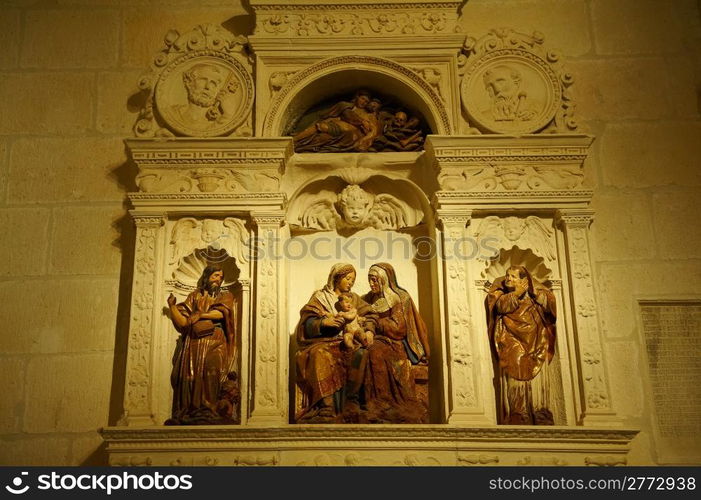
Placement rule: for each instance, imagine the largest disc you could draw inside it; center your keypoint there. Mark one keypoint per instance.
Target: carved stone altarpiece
(499, 181)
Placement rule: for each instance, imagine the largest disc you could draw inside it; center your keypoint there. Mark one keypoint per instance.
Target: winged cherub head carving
(354, 204)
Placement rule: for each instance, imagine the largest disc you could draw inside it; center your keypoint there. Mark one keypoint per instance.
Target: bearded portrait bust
(204, 96)
(208, 100)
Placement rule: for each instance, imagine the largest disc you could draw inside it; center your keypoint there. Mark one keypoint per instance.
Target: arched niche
(343, 75)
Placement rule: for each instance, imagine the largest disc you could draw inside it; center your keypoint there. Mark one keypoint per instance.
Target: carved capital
(262, 219)
(144, 221)
(450, 218)
(581, 218)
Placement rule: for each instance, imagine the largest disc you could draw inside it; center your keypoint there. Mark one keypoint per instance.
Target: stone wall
(68, 73)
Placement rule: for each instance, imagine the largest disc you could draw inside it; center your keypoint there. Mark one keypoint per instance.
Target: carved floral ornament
(512, 85)
(200, 85)
(348, 19)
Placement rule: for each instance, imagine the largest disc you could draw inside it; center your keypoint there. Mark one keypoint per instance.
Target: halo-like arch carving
(346, 73)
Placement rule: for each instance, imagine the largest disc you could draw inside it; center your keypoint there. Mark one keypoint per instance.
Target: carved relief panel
(200, 85)
(511, 84)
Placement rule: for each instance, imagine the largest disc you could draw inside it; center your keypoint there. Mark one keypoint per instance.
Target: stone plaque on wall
(672, 333)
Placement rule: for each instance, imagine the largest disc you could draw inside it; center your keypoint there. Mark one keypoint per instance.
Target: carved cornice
(536, 195)
(471, 149)
(224, 197)
(207, 151)
(129, 436)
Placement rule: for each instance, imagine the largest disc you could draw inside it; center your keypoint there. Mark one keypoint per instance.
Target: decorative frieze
(355, 19)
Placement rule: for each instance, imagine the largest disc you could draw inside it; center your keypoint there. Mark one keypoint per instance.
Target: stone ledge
(367, 445)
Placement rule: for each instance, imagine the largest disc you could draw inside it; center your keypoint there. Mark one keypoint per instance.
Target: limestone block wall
(68, 74)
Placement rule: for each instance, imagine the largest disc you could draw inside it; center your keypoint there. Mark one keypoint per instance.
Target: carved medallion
(511, 84)
(204, 95)
(199, 85)
(511, 93)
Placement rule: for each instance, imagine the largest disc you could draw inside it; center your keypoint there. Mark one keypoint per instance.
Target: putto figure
(204, 380)
(210, 100)
(521, 322)
(510, 101)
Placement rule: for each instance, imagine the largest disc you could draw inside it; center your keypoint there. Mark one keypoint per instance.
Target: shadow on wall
(124, 175)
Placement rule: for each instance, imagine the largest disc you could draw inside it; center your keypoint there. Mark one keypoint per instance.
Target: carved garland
(458, 315)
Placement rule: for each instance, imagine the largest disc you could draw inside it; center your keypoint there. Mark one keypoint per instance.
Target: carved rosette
(512, 84)
(138, 402)
(575, 225)
(199, 85)
(268, 401)
(463, 394)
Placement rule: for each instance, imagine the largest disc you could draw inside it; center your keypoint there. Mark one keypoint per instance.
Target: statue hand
(334, 322)
(172, 300)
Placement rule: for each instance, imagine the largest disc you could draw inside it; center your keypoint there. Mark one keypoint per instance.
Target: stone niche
(495, 151)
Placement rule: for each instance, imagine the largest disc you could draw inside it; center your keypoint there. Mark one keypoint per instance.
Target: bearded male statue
(209, 101)
(204, 380)
(521, 323)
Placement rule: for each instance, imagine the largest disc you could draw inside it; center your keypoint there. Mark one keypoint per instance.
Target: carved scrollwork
(358, 19)
(511, 178)
(199, 85)
(477, 459)
(512, 84)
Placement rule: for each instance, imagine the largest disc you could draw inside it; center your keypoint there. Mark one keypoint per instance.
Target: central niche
(361, 121)
(366, 235)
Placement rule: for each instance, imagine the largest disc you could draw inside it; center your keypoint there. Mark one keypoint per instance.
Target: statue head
(354, 204)
(502, 82)
(345, 302)
(362, 98)
(211, 230)
(211, 279)
(203, 82)
(518, 275)
(513, 228)
(400, 119)
(374, 105)
(344, 279)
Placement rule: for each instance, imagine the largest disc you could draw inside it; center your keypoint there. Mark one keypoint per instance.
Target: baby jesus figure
(351, 329)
